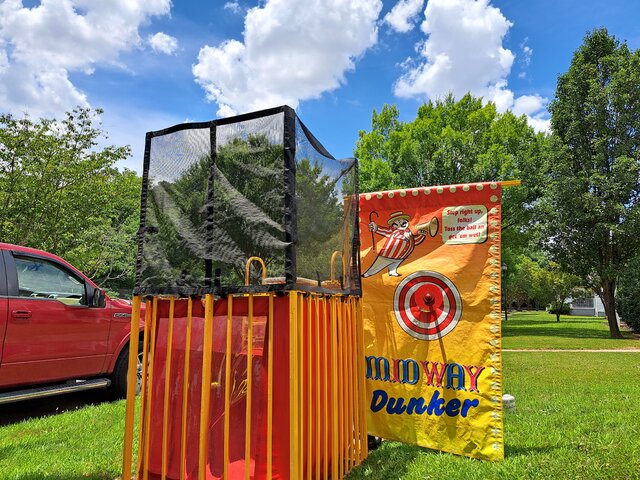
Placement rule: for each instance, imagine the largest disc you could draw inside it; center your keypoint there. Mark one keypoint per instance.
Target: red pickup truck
(59, 332)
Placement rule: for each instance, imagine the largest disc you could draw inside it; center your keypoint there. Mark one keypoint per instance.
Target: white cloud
(529, 104)
(535, 108)
(463, 50)
(163, 43)
(527, 51)
(403, 15)
(234, 7)
(40, 46)
(292, 50)
(462, 53)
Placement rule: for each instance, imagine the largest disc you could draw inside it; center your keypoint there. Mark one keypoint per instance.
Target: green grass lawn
(81, 444)
(540, 330)
(577, 417)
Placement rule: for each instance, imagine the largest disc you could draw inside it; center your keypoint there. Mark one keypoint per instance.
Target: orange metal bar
(300, 386)
(131, 389)
(318, 384)
(185, 391)
(341, 387)
(510, 183)
(363, 392)
(352, 389)
(293, 386)
(308, 322)
(356, 384)
(347, 387)
(270, 391)
(167, 376)
(147, 413)
(143, 386)
(247, 421)
(227, 388)
(325, 382)
(205, 393)
(247, 268)
(334, 390)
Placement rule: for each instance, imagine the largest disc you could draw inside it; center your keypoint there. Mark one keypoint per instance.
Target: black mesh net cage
(257, 187)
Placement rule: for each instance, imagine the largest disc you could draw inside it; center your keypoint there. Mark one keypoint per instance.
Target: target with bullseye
(427, 305)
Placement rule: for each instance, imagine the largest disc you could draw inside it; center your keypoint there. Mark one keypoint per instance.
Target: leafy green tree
(60, 192)
(455, 142)
(592, 218)
(552, 286)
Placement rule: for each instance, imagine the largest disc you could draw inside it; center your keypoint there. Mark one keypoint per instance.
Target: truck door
(52, 333)
(4, 305)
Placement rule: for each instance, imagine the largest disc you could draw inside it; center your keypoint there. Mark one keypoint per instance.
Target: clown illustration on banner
(431, 284)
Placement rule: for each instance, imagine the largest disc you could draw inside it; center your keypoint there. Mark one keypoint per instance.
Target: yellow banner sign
(431, 305)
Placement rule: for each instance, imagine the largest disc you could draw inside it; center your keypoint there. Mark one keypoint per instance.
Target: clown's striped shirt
(400, 242)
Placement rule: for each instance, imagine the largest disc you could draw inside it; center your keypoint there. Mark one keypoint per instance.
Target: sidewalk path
(604, 350)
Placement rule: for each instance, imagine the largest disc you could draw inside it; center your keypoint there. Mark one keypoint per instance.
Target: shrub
(628, 294)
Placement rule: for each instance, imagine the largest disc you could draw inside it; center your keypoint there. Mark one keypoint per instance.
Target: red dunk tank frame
(284, 387)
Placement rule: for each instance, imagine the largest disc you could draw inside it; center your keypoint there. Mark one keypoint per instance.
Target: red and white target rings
(427, 305)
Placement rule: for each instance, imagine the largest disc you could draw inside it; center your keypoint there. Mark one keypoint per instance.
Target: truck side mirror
(98, 300)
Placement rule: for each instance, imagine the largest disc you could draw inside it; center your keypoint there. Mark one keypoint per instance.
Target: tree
(552, 286)
(61, 193)
(628, 294)
(456, 142)
(592, 217)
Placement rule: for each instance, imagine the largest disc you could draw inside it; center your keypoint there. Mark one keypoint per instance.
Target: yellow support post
(147, 413)
(317, 382)
(341, 386)
(334, 389)
(131, 389)
(325, 382)
(300, 370)
(167, 378)
(361, 374)
(349, 384)
(247, 421)
(356, 384)
(294, 438)
(307, 322)
(185, 391)
(143, 387)
(270, 391)
(227, 388)
(205, 394)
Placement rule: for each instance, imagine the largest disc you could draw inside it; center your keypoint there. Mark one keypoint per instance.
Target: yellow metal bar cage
(327, 423)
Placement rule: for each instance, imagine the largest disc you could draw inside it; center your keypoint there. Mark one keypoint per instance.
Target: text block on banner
(431, 301)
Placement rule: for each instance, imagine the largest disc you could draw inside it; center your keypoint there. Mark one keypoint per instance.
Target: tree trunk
(609, 300)
(557, 316)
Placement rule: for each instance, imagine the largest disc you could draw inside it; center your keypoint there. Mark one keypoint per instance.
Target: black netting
(249, 197)
(174, 228)
(324, 198)
(260, 185)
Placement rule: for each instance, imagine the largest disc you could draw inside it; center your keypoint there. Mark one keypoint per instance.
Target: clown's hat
(397, 216)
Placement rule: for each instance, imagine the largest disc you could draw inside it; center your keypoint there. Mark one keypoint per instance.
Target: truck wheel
(118, 386)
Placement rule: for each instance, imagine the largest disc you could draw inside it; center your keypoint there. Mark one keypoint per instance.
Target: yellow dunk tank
(251, 362)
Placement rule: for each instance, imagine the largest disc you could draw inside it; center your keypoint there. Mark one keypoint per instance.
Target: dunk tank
(248, 265)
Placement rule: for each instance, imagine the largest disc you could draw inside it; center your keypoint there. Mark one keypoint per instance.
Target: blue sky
(152, 63)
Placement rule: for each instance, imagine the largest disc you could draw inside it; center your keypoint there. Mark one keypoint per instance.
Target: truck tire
(118, 388)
